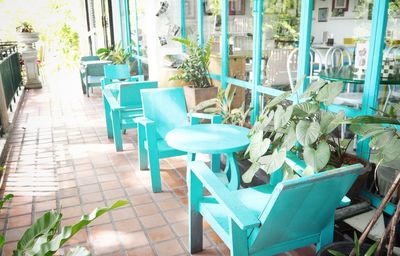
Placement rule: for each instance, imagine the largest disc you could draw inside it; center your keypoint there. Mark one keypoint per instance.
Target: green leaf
(282, 116)
(365, 129)
(329, 92)
(44, 225)
(372, 249)
(5, 199)
(313, 88)
(319, 158)
(271, 163)
(374, 120)
(307, 132)
(2, 241)
(205, 104)
(290, 138)
(381, 139)
(48, 247)
(278, 99)
(329, 121)
(258, 146)
(79, 251)
(305, 109)
(249, 174)
(336, 253)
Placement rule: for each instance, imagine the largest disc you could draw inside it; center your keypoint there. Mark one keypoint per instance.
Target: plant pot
(194, 96)
(344, 247)
(28, 39)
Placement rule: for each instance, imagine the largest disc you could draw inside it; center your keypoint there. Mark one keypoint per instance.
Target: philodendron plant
(383, 134)
(304, 129)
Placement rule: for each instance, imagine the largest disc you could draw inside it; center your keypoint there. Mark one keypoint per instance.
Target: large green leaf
(313, 88)
(47, 247)
(365, 129)
(79, 251)
(329, 92)
(381, 139)
(319, 158)
(290, 138)
(44, 225)
(307, 132)
(388, 153)
(271, 163)
(374, 120)
(2, 241)
(258, 146)
(249, 174)
(329, 121)
(305, 109)
(278, 99)
(282, 116)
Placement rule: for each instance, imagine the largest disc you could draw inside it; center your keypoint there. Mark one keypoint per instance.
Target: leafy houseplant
(194, 70)
(222, 105)
(26, 34)
(303, 130)
(25, 27)
(117, 55)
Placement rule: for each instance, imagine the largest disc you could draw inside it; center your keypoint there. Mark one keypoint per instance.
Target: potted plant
(117, 55)
(26, 34)
(303, 130)
(194, 70)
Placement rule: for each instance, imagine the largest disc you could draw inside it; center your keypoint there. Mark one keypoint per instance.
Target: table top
(209, 138)
(347, 74)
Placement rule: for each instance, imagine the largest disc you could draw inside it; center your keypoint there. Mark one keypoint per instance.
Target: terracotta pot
(194, 96)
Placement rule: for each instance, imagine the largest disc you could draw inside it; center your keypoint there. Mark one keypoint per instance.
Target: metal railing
(10, 74)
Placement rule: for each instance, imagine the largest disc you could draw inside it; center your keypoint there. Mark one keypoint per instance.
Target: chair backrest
(291, 65)
(95, 69)
(166, 107)
(116, 72)
(338, 56)
(302, 207)
(129, 93)
(90, 58)
(276, 74)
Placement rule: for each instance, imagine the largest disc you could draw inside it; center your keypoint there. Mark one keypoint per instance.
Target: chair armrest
(244, 218)
(143, 121)
(195, 117)
(111, 100)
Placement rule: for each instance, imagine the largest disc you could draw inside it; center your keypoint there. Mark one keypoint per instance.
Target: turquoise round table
(214, 139)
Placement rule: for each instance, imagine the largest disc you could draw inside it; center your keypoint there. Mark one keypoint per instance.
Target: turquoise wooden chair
(116, 73)
(94, 73)
(163, 110)
(82, 70)
(267, 220)
(122, 107)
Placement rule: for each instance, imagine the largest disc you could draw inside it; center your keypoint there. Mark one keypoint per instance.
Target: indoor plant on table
(194, 70)
(118, 56)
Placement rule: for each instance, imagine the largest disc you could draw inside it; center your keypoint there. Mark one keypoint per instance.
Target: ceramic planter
(194, 96)
(28, 39)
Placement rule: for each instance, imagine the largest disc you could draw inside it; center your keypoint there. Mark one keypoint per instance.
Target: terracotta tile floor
(59, 157)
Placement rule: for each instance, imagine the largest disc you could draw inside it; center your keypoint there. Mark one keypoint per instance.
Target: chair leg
(116, 123)
(154, 169)
(326, 236)
(107, 113)
(195, 190)
(142, 152)
(87, 90)
(239, 240)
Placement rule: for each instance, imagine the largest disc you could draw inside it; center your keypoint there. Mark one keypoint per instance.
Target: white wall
(348, 26)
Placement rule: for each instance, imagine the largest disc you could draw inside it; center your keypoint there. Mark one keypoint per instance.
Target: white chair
(275, 69)
(291, 66)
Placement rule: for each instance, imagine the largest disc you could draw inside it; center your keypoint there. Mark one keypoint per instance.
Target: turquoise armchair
(116, 73)
(93, 74)
(122, 106)
(82, 69)
(163, 110)
(267, 219)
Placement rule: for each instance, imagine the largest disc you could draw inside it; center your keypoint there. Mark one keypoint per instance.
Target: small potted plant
(194, 70)
(117, 55)
(26, 34)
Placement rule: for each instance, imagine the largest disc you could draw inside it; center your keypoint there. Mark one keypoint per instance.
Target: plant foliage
(222, 105)
(43, 238)
(25, 27)
(304, 128)
(194, 68)
(117, 55)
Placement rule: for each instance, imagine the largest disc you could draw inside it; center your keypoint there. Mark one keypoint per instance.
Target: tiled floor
(59, 157)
